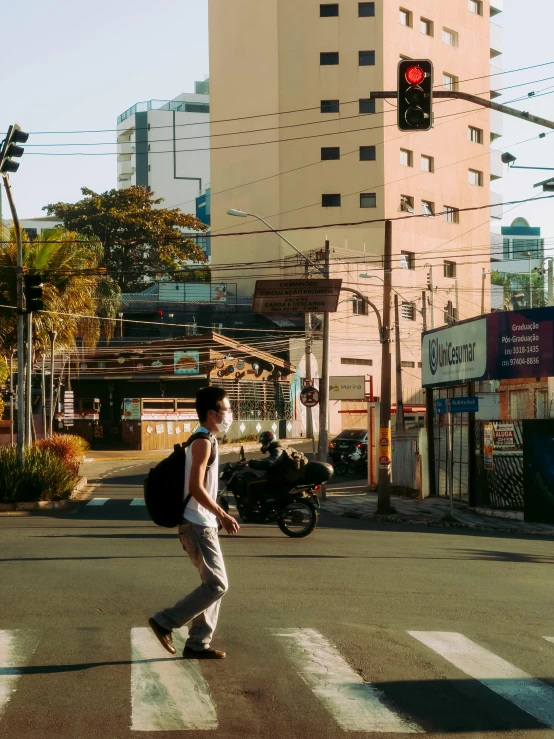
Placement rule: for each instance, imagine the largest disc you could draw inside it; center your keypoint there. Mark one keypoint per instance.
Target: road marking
(549, 638)
(138, 501)
(167, 693)
(97, 501)
(354, 704)
(16, 647)
(531, 695)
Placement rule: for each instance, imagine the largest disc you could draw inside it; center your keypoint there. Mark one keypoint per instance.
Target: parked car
(347, 441)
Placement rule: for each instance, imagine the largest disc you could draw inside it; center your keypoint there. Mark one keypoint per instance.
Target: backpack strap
(211, 459)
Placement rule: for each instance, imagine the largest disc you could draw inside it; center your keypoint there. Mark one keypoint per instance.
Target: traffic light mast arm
(362, 297)
(454, 94)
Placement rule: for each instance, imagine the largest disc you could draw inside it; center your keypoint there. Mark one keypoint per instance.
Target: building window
(330, 152)
(541, 404)
(406, 158)
(420, 365)
(407, 260)
(408, 312)
(449, 82)
(449, 37)
(451, 215)
(328, 57)
(518, 404)
(450, 313)
(475, 134)
(406, 204)
(405, 17)
(449, 269)
(367, 105)
(330, 200)
(427, 208)
(406, 363)
(357, 360)
(366, 10)
(475, 6)
(506, 248)
(367, 153)
(426, 26)
(359, 307)
(427, 163)
(197, 107)
(329, 106)
(328, 10)
(368, 200)
(366, 58)
(475, 177)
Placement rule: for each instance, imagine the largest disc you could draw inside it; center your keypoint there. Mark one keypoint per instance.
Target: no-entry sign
(296, 296)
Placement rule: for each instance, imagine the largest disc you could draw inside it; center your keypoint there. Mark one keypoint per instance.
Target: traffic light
(11, 149)
(429, 281)
(415, 94)
(33, 293)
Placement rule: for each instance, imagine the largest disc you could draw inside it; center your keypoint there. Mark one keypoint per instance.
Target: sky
(76, 68)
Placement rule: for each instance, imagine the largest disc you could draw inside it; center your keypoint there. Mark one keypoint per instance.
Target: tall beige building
(307, 147)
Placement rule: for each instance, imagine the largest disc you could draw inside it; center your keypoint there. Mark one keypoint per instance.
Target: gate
(460, 448)
(502, 487)
(405, 455)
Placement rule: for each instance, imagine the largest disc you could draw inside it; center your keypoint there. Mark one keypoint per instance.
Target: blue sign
(440, 405)
(464, 405)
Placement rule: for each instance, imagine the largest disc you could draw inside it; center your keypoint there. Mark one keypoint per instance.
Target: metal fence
(262, 401)
(502, 487)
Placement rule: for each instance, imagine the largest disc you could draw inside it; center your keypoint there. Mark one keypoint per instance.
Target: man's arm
(200, 451)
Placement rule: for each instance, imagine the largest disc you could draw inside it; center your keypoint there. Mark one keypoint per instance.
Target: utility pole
(12, 404)
(431, 298)
(52, 335)
(43, 393)
(324, 382)
(483, 279)
(457, 299)
(308, 352)
(550, 281)
(383, 497)
(20, 325)
(400, 425)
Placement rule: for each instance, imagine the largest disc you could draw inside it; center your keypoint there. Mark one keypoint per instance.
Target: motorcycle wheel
(225, 505)
(340, 467)
(297, 519)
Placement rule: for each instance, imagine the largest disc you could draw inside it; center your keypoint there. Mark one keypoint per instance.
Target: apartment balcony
(496, 80)
(125, 148)
(497, 40)
(497, 6)
(497, 211)
(496, 124)
(497, 168)
(125, 167)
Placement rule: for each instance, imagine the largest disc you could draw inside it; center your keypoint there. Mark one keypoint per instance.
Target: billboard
(186, 363)
(499, 346)
(455, 354)
(347, 388)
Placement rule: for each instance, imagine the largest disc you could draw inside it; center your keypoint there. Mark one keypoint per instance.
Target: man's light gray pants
(202, 605)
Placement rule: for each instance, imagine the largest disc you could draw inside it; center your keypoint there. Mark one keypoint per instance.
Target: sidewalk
(352, 500)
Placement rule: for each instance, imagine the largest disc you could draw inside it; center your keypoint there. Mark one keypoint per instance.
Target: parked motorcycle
(357, 460)
(295, 510)
(340, 462)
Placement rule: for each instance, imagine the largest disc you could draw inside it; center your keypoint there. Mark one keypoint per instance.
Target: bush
(41, 476)
(68, 448)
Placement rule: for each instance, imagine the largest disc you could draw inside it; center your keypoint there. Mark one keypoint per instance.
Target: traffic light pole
(456, 95)
(20, 325)
(385, 452)
(29, 404)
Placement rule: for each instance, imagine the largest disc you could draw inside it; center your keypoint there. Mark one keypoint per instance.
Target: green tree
(518, 284)
(138, 238)
(76, 289)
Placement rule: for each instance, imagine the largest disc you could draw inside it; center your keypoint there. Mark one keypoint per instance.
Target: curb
(26, 508)
(398, 518)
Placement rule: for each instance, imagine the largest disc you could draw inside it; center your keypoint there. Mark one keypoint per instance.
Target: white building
(164, 146)
(36, 226)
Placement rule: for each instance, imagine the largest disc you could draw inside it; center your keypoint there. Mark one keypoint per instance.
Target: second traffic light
(415, 95)
(33, 293)
(10, 149)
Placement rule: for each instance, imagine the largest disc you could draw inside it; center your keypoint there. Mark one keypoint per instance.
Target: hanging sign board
(488, 446)
(347, 388)
(296, 296)
(384, 448)
(504, 436)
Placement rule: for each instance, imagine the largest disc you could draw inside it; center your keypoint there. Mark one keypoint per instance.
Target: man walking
(198, 533)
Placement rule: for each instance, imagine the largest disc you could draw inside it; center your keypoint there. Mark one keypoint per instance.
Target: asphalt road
(359, 630)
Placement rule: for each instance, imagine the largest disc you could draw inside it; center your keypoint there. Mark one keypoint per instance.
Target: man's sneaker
(163, 635)
(209, 653)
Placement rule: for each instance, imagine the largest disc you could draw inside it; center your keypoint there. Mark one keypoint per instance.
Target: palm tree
(76, 290)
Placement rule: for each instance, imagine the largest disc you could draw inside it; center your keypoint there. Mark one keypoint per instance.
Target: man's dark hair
(208, 399)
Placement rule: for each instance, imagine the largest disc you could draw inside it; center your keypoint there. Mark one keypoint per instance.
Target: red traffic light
(415, 75)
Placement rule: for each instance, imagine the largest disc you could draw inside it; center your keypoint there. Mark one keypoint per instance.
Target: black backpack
(290, 467)
(165, 485)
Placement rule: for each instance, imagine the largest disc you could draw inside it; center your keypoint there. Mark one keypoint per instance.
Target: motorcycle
(296, 511)
(340, 462)
(357, 461)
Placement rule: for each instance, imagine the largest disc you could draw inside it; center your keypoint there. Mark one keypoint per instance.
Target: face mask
(226, 420)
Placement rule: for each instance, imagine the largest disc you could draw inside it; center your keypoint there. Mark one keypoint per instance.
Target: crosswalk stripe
(167, 693)
(138, 502)
(97, 501)
(355, 705)
(531, 695)
(16, 647)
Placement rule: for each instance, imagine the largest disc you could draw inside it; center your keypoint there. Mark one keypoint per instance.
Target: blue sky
(79, 68)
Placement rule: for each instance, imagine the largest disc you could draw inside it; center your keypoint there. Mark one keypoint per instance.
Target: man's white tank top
(193, 511)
